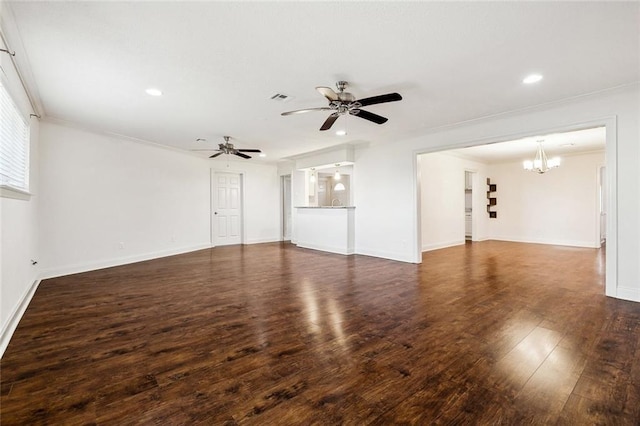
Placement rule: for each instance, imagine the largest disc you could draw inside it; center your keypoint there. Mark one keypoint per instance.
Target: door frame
(474, 210)
(603, 198)
(212, 198)
(283, 178)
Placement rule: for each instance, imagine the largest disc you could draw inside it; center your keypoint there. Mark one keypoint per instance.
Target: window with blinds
(14, 144)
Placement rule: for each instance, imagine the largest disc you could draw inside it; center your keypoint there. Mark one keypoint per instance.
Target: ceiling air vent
(281, 97)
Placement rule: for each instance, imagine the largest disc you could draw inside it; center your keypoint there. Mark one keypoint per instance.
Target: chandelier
(541, 163)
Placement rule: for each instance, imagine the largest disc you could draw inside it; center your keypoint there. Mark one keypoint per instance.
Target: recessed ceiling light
(341, 132)
(153, 91)
(262, 154)
(533, 78)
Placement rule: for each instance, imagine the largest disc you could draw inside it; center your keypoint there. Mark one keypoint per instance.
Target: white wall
(107, 200)
(385, 176)
(384, 194)
(558, 207)
(299, 197)
(261, 198)
(442, 196)
(19, 244)
(19, 238)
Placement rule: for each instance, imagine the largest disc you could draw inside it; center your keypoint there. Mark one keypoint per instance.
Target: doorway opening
(566, 206)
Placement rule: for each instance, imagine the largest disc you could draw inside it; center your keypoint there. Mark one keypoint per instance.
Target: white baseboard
(552, 242)
(480, 239)
(441, 245)
(400, 257)
(330, 249)
(14, 319)
(262, 240)
(628, 293)
(92, 266)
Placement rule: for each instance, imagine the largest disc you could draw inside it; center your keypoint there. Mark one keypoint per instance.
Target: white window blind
(14, 144)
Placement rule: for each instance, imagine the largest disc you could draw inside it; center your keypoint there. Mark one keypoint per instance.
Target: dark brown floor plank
(485, 333)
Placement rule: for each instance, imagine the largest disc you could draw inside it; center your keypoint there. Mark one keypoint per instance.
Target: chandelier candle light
(541, 164)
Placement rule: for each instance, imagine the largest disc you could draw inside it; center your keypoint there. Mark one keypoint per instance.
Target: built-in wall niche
(492, 200)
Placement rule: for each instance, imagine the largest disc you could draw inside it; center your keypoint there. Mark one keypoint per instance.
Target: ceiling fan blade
(215, 155)
(329, 121)
(378, 119)
(389, 97)
(328, 93)
(239, 154)
(300, 111)
(249, 150)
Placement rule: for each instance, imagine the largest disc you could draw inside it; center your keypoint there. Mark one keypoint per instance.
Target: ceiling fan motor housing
(342, 103)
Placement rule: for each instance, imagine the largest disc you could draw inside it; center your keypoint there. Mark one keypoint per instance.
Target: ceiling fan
(228, 148)
(342, 103)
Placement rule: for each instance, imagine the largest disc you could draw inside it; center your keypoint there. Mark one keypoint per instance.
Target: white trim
(330, 249)
(14, 193)
(283, 179)
(11, 36)
(520, 111)
(417, 209)
(397, 256)
(92, 266)
(551, 242)
(262, 240)
(611, 159)
(437, 246)
(15, 317)
(628, 293)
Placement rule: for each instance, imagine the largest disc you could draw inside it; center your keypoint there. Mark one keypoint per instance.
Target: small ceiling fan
(342, 103)
(228, 148)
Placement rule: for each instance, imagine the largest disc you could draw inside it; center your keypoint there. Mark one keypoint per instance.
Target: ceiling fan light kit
(229, 149)
(344, 103)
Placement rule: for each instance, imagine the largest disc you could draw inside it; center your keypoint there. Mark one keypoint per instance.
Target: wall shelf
(492, 188)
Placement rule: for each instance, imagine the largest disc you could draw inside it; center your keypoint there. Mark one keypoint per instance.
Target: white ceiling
(218, 64)
(556, 144)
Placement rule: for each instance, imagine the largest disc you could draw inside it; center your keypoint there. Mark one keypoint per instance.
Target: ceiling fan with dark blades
(341, 103)
(228, 148)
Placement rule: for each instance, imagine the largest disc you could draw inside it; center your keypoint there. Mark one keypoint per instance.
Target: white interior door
(227, 209)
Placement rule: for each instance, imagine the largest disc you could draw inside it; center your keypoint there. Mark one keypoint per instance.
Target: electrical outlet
(121, 245)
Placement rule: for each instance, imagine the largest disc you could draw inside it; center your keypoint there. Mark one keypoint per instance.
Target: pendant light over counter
(336, 177)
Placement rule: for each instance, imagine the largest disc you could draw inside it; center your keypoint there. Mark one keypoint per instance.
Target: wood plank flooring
(485, 333)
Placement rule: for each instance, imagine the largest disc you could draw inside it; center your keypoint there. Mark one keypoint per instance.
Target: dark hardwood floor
(485, 333)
